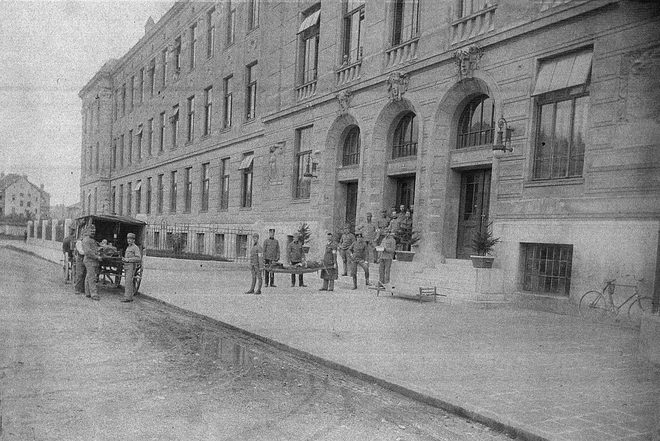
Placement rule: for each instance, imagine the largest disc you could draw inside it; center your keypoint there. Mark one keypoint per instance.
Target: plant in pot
(305, 233)
(406, 238)
(483, 244)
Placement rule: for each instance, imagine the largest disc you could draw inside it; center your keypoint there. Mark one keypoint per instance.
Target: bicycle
(600, 304)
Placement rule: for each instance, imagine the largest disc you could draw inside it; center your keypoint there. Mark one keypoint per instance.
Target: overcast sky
(48, 51)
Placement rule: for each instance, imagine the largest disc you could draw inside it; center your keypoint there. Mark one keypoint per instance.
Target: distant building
(61, 211)
(20, 197)
(540, 118)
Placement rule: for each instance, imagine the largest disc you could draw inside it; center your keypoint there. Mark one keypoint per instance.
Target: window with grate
(477, 123)
(547, 268)
(351, 150)
(404, 142)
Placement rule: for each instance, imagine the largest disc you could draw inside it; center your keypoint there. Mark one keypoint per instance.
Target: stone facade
(325, 128)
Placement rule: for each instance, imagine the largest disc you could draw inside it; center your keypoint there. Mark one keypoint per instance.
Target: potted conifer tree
(483, 244)
(305, 233)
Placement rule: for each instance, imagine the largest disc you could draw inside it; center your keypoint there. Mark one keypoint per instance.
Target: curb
(456, 409)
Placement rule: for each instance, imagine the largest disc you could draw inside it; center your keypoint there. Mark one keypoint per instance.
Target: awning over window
(139, 130)
(563, 72)
(311, 20)
(138, 187)
(246, 162)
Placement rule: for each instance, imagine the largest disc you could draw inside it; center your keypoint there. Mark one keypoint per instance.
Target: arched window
(351, 154)
(477, 123)
(405, 137)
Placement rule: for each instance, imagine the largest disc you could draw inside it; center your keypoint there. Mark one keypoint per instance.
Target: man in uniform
(271, 255)
(345, 243)
(386, 256)
(295, 254)
(81, 271)
(382, 224)
(369, 232)
(358, 255)
(91, 260)
(132, 258)
(256, 264)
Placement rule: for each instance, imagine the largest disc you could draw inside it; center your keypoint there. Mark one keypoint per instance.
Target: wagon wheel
(137, 279)
(117, 280)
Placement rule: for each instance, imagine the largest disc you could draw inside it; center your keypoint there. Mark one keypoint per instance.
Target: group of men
(268, 254)
(88, 258)
(372, 242)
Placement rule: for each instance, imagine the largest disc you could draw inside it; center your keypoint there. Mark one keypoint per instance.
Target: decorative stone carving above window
(397, 85)
(344, 98)
(467, 60)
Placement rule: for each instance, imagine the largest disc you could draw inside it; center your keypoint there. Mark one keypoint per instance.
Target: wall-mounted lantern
(503, 138)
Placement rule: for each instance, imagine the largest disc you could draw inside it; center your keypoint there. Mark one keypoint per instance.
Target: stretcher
(292, 269)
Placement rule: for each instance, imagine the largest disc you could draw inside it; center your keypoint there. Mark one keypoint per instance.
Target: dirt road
(76, 369)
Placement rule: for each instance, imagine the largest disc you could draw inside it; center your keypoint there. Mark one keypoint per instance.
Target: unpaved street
(76, 369)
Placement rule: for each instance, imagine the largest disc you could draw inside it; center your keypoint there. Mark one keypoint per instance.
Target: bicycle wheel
(638, 306)
(592, 305)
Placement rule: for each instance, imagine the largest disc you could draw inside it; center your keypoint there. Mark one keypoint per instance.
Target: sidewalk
(542, 375)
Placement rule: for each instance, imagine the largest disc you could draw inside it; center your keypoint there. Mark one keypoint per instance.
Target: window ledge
(554, 182)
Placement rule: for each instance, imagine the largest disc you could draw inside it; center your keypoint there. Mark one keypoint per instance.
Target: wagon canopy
(113, 228)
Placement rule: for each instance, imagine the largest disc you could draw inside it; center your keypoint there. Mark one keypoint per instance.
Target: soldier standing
(295, 254)
(256, 264)
(358, 253)
(345, 242)
(386, 256)
(271, 255)
(132, 258)
(382, 225)
(330, 272)
(369, 232)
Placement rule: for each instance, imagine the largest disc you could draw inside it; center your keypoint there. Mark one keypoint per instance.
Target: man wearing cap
(358, 255)
(271, 255)
(382, 224)
(81, 271)
(256, 264)
(91, 261)
(295, 254)
(386, 256)
(345, 242)
(330, 272)
(132, 258)
(369, 232)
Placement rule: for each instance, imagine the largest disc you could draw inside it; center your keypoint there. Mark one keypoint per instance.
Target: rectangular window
(129, 156)
(224, 184)
(219, 244)
(174, 123)
(123, 99)
(138, 197)
(131, 94)
(161, 138)
(562, 97)
(177, 56)
(96, 158)
(121, 150)
(114, 154)
(150, 135)
(405, 22)
(303, 149)
(308, 54)
(189, 189)
(163, 71)
(159, 194)
(205, 187)
(251, 92)
(246, 169)
(138, 143)
(241, 245)
(231, 23)
(129, 198)
(228, 102)
(141, 86)
(120, 208)
(208, 109)
(152, 77)
(469, 7)
(193, 46)
(353, 31)
(149, 190)
(253, 14)
(210, 33)
(200, 243)
(191, 119)
(547, 268)
(113, 200)
(173, 194)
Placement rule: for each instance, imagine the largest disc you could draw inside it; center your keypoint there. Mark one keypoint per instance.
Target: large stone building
(266, 114)
(21, 198)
